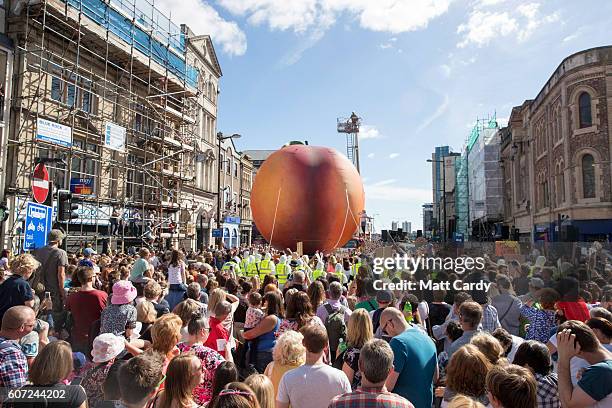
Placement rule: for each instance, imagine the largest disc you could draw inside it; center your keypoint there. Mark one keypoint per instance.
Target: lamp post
(221, 138)
(443, 195)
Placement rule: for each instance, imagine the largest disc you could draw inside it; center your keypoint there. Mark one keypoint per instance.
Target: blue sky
(419, 72)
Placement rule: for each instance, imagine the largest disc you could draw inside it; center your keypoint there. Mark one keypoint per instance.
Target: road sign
(40, 183)
(217, 233)
(83, 186)
(38, 223)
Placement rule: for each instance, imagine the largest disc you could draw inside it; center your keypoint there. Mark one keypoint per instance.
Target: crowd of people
(258, 327)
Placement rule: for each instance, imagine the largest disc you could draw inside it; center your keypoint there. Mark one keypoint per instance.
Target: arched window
(584, 107)
(588, 176)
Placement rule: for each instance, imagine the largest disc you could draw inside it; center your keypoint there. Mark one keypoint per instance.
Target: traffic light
(66, 209)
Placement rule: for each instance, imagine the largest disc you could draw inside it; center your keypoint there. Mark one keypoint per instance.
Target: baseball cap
(384, 296)
(89, 252)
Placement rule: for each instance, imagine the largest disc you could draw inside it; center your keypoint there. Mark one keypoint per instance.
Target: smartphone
(47, 295)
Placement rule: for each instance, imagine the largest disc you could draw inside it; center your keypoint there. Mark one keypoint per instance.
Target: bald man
(17, 322)
(415, 364)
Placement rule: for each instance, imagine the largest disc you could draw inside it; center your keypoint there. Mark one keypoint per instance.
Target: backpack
(335, 326)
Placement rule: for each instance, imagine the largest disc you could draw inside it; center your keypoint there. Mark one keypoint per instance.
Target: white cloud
(485, 25)
(385, 182)
(572, 37)
(390, 16)
(392, 192)
(482, 27)
(371, 155)
(393, 155)
(369, 132)
(384, 46)
(438, 112)
(204, 19)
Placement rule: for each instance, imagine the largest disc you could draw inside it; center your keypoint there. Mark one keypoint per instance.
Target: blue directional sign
(38, 223)
(217, 233)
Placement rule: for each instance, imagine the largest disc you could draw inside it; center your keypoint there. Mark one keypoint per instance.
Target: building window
(584, 106)
(588, 176)
(235, 169)
(56, 89)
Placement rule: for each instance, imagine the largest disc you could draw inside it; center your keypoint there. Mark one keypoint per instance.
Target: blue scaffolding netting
(139, 23)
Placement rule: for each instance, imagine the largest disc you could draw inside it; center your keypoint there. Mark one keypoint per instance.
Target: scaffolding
(95, 64)
(480, 181)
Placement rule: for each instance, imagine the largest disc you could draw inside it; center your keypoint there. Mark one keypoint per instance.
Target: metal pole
(219, 164)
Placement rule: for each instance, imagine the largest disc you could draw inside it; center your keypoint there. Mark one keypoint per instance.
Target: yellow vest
(227, 266)
(264, 268)
(252, 269)
(316, 273)
(355, 269)
(282, 271)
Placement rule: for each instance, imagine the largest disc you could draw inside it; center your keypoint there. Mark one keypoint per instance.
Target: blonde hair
(263, 388)
(24, 263)
(461, 401)
(179, 383)
(289, 349)
(359, 329)
(152, 290)
(490, 347)
(217, 296)
(186, 309)
(467, 371)
(145, 312)
(166, 333)
(53, 364)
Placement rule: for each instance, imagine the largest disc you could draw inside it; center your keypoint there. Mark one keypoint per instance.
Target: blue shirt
(15, 291)
(596, 382)
(415, 360)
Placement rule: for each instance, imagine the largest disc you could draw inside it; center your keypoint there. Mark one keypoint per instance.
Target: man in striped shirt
(375, 363)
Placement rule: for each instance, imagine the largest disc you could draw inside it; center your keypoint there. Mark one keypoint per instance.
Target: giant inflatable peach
(311, 194)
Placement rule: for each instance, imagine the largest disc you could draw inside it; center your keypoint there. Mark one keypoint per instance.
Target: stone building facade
(556, 153)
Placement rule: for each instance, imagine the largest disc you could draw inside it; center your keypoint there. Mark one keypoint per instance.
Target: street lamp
(443, 195)
(221, 138)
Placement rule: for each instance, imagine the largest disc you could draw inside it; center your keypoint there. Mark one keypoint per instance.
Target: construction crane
(350, 126)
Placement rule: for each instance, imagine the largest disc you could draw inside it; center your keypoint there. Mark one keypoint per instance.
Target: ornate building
(556, 153)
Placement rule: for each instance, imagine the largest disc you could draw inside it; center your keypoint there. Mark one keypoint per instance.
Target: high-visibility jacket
(265, 268)
(355, 269)
(282, 272)
(243, 265)
(252, 269)
(317, 273)
(228, 265)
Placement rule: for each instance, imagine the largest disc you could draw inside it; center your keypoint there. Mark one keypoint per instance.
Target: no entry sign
(40, 183)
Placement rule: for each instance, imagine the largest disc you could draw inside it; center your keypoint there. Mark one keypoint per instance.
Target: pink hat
(123, 292)
(106, 347)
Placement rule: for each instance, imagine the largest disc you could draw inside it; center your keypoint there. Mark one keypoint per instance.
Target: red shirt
(575, 310)
(218, 336)
(86, 308)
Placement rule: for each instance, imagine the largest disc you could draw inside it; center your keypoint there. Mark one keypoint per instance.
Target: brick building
(556, 153)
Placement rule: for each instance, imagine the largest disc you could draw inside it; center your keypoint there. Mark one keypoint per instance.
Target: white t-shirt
(175, 274)
(576, 363)
(516, 342)
(312, 386)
